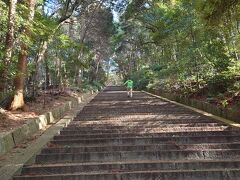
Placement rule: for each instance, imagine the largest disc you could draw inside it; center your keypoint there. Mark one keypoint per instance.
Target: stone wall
(207, 107)
(10, 139)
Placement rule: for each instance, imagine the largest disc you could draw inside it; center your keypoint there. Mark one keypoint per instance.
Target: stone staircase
(141, 138)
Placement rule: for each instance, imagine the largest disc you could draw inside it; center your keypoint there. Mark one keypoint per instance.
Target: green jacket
(129, 83)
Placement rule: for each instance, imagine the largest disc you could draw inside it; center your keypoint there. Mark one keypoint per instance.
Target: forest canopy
(54, 44)
(187, 47)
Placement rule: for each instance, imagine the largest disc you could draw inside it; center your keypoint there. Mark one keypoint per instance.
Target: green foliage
(213, 11)
(133, 8)
(220, 83)
(141, 78)
(44, 24)
(191, 47)
(228, 80)
(66, 44)
(87, 86)
(3, 27)
(234, 68)
(97, 85)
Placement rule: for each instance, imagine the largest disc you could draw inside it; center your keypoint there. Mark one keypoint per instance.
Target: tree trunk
(8, 45)
(18, 100)
(97, 69)
(47, 74)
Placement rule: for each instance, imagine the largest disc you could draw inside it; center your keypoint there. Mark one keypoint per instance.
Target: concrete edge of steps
(12, 162)
(12, 138)
(227, 121)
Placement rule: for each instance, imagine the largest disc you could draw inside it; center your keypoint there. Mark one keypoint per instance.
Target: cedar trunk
(18, 100)
(47, 74)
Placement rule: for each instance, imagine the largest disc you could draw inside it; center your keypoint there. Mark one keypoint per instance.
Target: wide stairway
(141, 138)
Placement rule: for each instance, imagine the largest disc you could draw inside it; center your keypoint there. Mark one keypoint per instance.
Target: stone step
(143, 111)
(124, 118)
(149, 130)
(123, 105)
(72, 168)
(144, 136)
(217, 174)
(138, 123)
(69, 140)
(161, 109)
(130, 109)
(138, 155)
(136, 117)
(139, 138)
(157, 103)
(133, 111)
(165, 134)
(111, 148)
(116, 124)
(140, 126)
(162, 105)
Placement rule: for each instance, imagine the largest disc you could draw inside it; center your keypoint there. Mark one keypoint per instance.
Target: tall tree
(18, 100)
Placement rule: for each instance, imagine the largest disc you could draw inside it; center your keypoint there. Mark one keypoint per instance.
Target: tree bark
(47, 74)
(8, 45)
(18, 100)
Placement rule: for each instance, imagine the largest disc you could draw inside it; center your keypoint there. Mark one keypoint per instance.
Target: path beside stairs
(141, 138)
